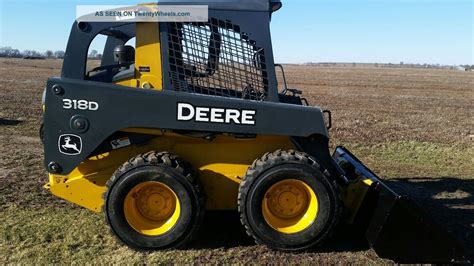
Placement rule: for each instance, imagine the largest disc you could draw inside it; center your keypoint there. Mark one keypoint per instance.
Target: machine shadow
(449, 200)
(9, 122)
(222, 229)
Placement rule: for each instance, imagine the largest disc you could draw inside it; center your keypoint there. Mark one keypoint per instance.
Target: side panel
(220, 165)
(117, 107)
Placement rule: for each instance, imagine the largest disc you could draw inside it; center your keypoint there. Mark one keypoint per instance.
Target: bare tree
(49, 53)
(31, 53)
(59, 54)
(9, 52)
(15, 53)
(27, 53)
(3, 51)
(93, 54)
(36, 54)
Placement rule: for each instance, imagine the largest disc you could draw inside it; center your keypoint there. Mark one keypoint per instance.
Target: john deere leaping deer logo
(70, 144)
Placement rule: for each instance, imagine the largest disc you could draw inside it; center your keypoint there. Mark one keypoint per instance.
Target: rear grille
(215, 58)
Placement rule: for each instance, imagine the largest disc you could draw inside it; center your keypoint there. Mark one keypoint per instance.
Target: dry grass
(411, 126)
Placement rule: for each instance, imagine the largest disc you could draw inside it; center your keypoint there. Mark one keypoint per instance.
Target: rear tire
(153, 201)
(288, 202)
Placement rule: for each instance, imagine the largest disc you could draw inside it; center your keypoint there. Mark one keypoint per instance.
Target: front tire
(153, 201)
(287, 202)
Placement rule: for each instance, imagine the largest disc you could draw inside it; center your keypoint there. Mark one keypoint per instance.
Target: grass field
(413, 127)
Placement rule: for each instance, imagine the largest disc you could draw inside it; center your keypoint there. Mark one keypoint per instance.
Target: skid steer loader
(191, 119)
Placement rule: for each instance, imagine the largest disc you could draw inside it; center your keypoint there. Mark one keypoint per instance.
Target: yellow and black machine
(190, 119)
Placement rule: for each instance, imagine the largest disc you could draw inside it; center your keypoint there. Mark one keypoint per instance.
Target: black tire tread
(271, 159)
(158, 158)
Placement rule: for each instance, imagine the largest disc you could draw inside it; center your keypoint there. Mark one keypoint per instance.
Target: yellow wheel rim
(152, 208)
(290, 206)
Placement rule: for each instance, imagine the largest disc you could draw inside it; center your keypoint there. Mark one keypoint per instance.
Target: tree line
(15, 53)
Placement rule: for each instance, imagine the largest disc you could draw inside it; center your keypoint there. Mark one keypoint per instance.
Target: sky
(365, 31)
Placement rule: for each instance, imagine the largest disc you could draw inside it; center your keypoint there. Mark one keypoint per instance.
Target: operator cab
(229, 55)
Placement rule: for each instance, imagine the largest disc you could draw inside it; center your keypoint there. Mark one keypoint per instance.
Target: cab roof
(238, 5)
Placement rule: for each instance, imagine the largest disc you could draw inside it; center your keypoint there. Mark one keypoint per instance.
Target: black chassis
(122, 107)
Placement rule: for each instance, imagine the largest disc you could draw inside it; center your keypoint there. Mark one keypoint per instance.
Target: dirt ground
(413, 127)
